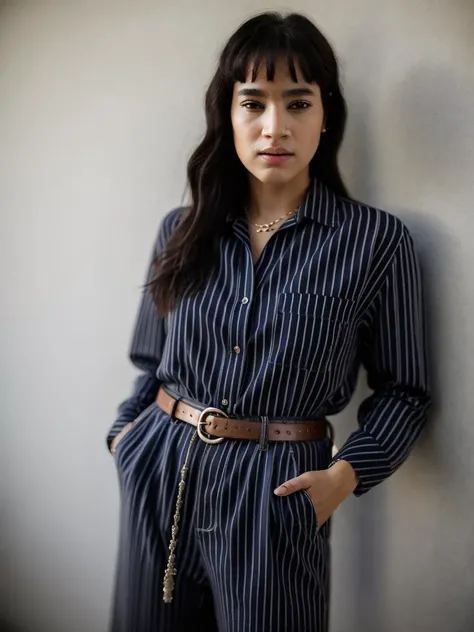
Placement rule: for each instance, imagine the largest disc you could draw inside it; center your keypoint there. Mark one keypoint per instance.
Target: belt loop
(330, 431)
(264, 434)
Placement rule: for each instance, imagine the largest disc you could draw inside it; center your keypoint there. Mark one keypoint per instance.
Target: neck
(271, 201)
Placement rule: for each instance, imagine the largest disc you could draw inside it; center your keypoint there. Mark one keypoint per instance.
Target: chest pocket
(307, 330)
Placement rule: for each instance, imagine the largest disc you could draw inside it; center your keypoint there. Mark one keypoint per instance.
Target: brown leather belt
(213, 425)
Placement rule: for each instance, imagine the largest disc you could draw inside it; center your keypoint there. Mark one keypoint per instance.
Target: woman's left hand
(327, 488)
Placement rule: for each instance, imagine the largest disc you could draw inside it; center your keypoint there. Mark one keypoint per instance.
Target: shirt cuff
(115, 430)
(368, 459)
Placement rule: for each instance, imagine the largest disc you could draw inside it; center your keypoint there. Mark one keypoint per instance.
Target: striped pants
(247, 560)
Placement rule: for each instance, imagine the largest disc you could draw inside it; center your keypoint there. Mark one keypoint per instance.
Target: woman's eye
(251, 105)
(300, 105)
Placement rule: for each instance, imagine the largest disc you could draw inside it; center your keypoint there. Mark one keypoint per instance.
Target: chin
(273, 175)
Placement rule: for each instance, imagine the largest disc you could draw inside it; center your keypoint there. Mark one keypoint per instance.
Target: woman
(264, 298)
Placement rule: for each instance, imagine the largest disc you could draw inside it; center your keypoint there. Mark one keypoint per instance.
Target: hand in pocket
(325, 488)
(116, 440)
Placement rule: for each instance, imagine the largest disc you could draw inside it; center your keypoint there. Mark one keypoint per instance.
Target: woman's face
(278, 115)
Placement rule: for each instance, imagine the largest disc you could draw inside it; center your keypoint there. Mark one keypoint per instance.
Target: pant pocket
(142, 417)
(305, 499)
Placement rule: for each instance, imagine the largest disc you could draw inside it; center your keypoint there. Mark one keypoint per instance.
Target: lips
(276, 153)
(275, 159)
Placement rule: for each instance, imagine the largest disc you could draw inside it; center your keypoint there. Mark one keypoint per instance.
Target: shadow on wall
(434, 129)
(429, 135)
(434, 106)
(8, 627)
(429, 121)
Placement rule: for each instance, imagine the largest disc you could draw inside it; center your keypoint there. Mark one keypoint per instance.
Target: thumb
(293, 485)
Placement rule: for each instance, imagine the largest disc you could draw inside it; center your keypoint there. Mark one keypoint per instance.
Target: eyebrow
(294, 92)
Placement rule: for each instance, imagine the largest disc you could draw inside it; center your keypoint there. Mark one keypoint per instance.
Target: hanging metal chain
(169, 582)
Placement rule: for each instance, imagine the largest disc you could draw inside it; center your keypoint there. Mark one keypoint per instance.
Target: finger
(292, 485)
(116, 440)
(321, 521)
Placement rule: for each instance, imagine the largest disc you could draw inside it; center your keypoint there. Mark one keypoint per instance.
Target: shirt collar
(319, 205)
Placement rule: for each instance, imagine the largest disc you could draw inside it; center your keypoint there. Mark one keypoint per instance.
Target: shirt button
(237, 349)
(224, 402)
(245, 300)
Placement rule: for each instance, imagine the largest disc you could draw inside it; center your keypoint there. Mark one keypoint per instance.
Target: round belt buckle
(202, 420)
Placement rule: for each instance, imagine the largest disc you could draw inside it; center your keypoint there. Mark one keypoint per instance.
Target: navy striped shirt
(336, 287)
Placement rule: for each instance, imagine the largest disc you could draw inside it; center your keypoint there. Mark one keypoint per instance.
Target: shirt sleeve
(147, 345)
(393, 351)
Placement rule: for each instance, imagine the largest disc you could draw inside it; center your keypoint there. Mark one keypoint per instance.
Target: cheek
(239, 143)
(311, 136)
(242, 137)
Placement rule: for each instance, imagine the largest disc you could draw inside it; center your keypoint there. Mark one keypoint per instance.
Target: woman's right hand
(116, 440)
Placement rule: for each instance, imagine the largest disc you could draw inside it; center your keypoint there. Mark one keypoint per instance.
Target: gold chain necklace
(266, 228)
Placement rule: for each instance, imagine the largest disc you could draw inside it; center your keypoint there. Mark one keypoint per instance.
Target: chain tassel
(169, 583)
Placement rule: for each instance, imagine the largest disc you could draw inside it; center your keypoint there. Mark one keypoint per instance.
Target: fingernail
(279, 491)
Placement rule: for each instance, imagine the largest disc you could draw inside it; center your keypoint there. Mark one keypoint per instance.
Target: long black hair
(217, 179)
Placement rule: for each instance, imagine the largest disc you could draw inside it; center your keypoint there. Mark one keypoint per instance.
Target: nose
(275, 123)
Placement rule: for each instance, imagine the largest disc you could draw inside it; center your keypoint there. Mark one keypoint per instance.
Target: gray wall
(100, 105)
